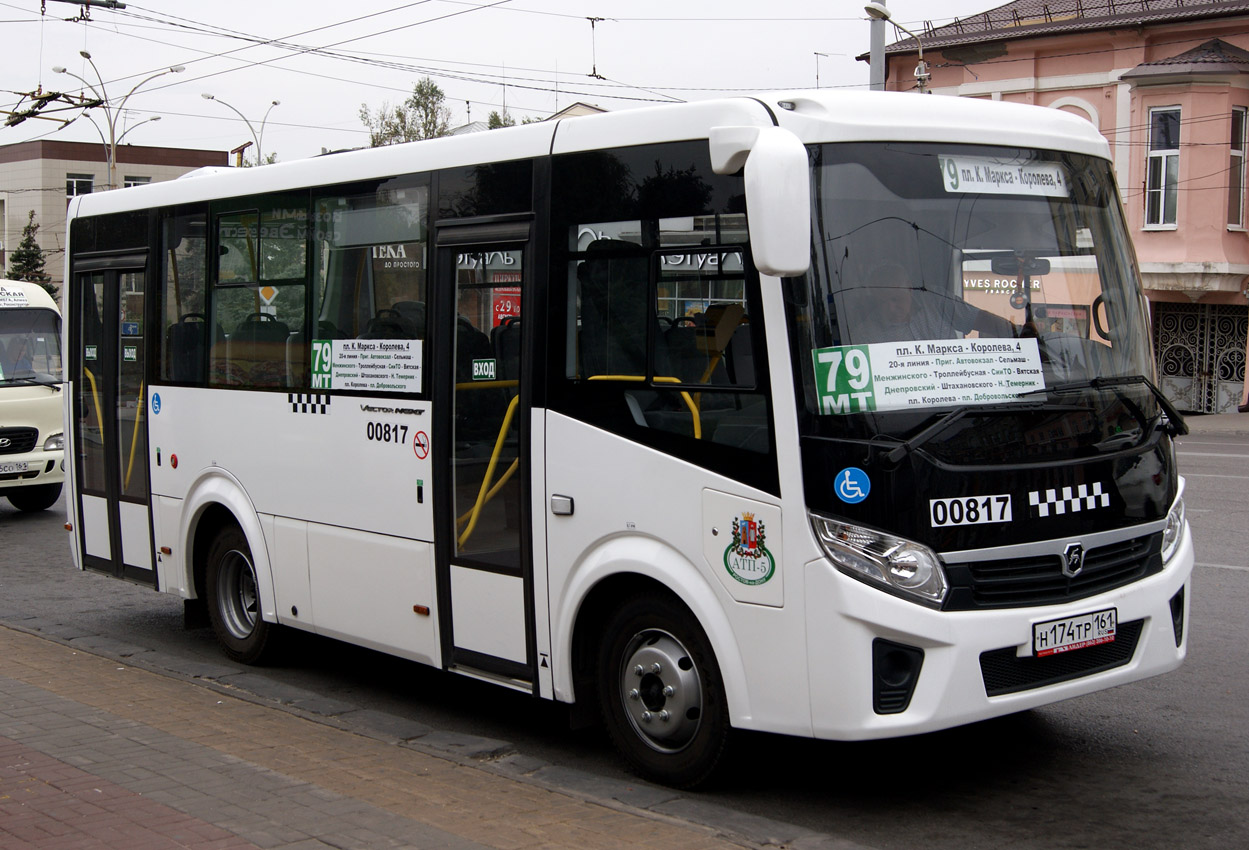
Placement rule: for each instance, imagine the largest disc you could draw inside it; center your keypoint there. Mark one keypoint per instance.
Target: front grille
(1006, 673)
(20, 440)
(1039, 579)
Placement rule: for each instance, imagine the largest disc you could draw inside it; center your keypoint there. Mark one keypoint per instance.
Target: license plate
(12, 466)
(1083, 630)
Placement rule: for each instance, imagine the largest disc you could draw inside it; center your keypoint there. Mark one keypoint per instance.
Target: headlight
(55, 443)
(899, 565)
(1175, 529)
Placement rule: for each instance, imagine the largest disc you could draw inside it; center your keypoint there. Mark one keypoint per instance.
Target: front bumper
(953, 687)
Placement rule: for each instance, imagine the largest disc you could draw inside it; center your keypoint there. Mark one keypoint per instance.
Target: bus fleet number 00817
(384, 432)
(971, 510)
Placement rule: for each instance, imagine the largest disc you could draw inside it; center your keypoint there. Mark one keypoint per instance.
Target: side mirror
(778, 193)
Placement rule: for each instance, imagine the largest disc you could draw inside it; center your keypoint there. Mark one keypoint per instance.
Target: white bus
(828, 415)
(32, 435)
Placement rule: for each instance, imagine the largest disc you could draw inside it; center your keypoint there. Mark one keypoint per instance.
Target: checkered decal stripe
(308, 402)
(1069, 499)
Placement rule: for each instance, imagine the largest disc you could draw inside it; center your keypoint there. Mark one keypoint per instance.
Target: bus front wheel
(660, 692)
(234, 600)
(37, 498)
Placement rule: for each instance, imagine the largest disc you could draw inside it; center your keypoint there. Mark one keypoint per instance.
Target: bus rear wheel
(660, 692)
(37, 498)
(234, 599)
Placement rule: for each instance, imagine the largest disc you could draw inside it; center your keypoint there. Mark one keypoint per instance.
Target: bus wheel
(660, 692)
(233, 599)
(37, 498)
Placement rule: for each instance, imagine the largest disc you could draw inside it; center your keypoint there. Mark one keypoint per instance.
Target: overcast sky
(322, 60)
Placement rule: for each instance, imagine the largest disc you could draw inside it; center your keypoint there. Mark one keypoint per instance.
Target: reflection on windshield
(948, 276)
(1017, 260)
(30, 346)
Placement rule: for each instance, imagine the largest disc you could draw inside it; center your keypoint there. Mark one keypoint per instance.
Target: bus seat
(505, 339)
(388, 324)
(186, 341)
(255, 353)
(413, 312)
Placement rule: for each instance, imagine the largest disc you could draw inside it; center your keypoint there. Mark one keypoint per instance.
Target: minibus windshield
(954, 276)
(30, 346)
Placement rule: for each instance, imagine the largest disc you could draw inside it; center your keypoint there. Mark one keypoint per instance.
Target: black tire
(37, 498)
(234, 601)
(669, 722)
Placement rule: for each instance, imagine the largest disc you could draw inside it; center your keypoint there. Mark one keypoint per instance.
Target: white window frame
(127, 182)
(1236, 170)
(78, 181)
(1161, 205)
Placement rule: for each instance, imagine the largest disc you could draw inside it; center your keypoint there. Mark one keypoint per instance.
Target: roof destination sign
(987, 176)
(370, 365)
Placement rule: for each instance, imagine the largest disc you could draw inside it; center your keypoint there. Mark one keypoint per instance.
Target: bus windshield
(30, 346)
(948, 277)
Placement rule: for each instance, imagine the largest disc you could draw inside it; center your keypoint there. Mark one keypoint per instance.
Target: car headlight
(898, 565)
(1175, 528)
(55, 443)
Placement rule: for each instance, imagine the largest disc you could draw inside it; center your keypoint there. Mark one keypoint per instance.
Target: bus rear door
(109, 426)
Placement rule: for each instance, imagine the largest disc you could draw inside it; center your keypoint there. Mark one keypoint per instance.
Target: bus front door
(109, 429)
(485, 563)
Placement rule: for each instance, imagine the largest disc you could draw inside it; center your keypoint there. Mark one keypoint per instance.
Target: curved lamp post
(111, 113)
(877, 11)
(256, 137)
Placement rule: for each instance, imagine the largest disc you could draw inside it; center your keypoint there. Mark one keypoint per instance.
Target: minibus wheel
(660, 692)
(234, 598)
(37, 498)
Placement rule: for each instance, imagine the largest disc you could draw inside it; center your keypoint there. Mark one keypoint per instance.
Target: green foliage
(26, 262)
(268, 160)
(497, 120)
(424, 115)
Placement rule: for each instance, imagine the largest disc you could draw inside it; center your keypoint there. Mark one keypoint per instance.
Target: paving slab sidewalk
(95, 753)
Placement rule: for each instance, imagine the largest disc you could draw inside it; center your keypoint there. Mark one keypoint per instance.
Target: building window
(79, 184)
(127, 182)
(1236, 171)
(1162, 179)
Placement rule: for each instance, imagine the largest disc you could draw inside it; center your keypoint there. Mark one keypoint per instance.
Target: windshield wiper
(1176, 426)
(949, 418)
(31, 381)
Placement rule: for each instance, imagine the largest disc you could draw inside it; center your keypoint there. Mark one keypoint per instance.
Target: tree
(424, 115)
(497, 120)
(27, 260)
(268, 160)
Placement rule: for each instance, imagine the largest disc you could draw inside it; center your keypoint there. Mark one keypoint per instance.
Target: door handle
(561, 505)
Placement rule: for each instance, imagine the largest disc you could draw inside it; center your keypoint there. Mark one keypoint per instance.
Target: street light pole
(877, 12)
(112, 114)
(818, 54)
(256, 137)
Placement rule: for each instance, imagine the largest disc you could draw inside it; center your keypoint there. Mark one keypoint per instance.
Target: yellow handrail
(660, 379)
(134, 440)
(95, 396)
(494, 460)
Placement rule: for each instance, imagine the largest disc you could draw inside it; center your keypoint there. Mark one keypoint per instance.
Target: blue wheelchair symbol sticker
(155, 403)
(853, 485)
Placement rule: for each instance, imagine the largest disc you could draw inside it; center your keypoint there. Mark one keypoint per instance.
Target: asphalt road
(1158, 764)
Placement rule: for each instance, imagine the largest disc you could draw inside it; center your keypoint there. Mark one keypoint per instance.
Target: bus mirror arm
(778, 193)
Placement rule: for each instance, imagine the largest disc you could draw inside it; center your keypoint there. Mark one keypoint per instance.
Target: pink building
(1167, 83)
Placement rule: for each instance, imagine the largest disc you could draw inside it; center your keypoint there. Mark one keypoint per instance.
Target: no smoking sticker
(420, 445)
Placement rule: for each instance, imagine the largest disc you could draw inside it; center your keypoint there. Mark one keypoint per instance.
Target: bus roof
(20, 293)
(812, 116)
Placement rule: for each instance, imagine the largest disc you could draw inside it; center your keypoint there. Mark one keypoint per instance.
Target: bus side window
(185, 331)
(259, 295)
(370, 261)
